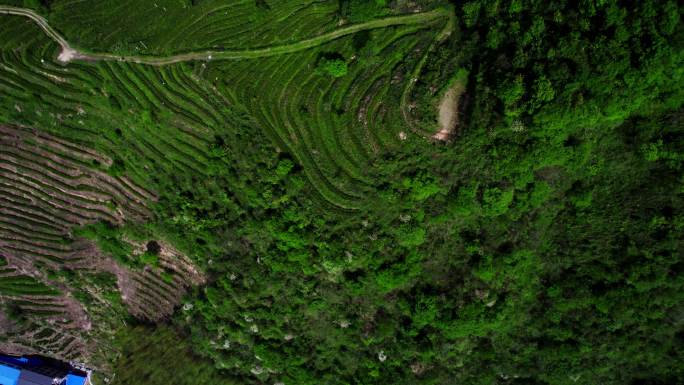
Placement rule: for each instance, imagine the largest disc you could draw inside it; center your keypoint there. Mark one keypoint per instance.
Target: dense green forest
(542, 244)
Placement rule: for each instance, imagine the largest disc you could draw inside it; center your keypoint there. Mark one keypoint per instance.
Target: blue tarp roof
(73, 379)
(9, 375)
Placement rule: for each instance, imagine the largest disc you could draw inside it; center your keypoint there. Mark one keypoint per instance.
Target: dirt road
(70, 53)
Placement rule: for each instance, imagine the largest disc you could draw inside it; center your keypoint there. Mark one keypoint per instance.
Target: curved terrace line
(70, 53)
(404, 102)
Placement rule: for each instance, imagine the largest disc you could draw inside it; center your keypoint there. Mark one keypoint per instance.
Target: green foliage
(127, 29)
(422, 188)
(358, 11)
(109, 239)
(22, 285)
(333, 67)
(547, 253)
(149, 258)
(117, 241)
(509, 255)
(496, 201)
(561, 66)
(160, 355)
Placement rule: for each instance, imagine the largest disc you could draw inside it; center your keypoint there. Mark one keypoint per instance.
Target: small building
(35, 370)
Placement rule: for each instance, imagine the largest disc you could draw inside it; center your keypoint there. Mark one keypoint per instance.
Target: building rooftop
(9, 375)
(38, 371)
(28, 377)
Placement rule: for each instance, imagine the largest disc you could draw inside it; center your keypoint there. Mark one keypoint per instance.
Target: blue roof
(9, 375)
(73, 379)
(18, 361)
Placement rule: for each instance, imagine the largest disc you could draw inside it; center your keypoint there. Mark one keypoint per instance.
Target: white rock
(67, 55)
(517, 126)
(382, 356)
(257, 370)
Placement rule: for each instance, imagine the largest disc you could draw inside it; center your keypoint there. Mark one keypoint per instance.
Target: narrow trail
(404, 102)
(70, 53)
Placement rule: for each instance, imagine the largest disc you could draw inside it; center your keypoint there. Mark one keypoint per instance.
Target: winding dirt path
(70, 53)
(40, 20)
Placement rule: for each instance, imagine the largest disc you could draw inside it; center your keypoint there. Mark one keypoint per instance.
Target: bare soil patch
(67, 55)
(448, 111)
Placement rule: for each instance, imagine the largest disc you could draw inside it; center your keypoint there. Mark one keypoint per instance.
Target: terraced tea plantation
(305, 111)
(343, 191)
(98, 119)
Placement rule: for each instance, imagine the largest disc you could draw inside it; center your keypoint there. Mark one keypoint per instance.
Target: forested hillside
(301, 215)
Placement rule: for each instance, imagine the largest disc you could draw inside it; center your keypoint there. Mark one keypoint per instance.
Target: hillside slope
(344, 192)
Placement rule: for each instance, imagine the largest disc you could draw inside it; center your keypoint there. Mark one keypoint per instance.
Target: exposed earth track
(448, 111)
(70, 53)
(404, 103)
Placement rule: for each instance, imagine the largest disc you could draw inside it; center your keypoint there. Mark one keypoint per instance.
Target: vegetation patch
(256, 180)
